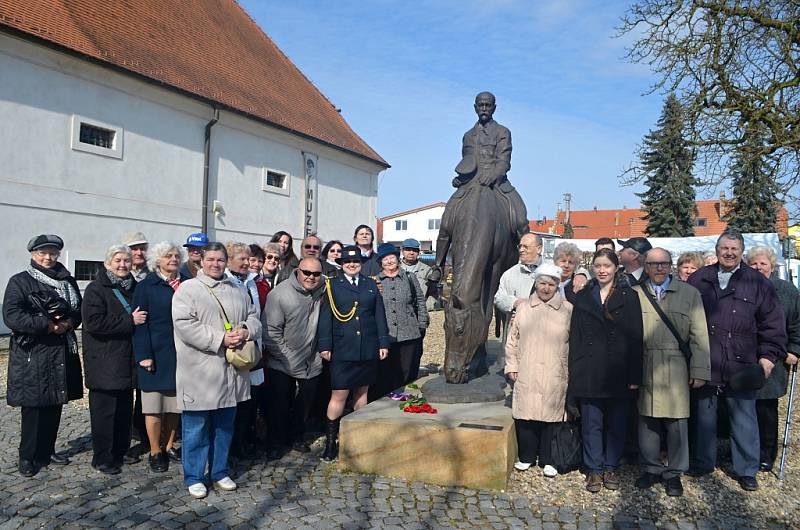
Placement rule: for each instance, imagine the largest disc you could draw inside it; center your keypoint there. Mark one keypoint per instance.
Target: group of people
(187, 354)
(637, 355)
(626, 349)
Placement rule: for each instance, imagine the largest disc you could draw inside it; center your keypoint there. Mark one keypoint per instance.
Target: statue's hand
(456, 182)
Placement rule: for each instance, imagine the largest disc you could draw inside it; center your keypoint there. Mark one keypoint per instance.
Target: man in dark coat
(631, 257)
(746, 326)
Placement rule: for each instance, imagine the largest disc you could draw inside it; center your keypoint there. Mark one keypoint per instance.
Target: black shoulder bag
(682, 345)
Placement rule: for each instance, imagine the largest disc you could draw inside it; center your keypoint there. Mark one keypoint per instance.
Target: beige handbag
(245, 356)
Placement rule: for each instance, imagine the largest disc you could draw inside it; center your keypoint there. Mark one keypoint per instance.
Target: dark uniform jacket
(107, 336)
(155, 338)
(605, 356)
(42, 373)
(359, 338)
(745, 321)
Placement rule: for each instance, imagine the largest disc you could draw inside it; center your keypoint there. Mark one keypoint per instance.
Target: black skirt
(352, 374)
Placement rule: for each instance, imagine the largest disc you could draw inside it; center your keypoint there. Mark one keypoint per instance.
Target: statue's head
(485, 106)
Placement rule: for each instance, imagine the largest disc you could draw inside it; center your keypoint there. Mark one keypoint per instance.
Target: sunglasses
(335, 251)
(350, 261)
(308, 247)
(272, 257)
(315, 274)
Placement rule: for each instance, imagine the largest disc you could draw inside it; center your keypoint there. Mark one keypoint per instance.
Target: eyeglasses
(308, 247)
(51, 253)
(658, 264)
(195, 250)
(271, 257)
(315, 274)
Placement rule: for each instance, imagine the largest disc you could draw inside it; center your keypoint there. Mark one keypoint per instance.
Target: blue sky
(405, 75)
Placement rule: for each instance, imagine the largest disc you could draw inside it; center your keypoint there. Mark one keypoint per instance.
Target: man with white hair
(137, 242)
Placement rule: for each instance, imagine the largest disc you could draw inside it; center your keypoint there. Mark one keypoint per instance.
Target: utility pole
(567, 201)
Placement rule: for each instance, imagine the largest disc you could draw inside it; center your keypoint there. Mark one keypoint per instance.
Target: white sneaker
(198, 491)
(549, 471)
(226, 484)
(521, 466)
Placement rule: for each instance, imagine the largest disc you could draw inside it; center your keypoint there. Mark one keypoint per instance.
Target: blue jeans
(603, 420)
(206, 440)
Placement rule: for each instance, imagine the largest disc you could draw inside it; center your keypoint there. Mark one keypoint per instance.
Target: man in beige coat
(667, 378)
(207, 385)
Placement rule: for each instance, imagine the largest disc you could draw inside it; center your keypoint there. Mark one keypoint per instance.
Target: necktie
(659, 292)
(353, 279)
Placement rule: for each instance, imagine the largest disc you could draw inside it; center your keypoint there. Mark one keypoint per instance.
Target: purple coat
(745, 321)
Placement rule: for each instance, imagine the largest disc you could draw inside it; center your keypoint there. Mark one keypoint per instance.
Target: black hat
(749, 378)
(386, 249)
(467, 166)
(348, 253)
(45, 240)
(639, 244)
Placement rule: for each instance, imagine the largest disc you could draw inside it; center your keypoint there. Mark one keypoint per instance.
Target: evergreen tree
(666, 160)
(568, 232)
(755, 203)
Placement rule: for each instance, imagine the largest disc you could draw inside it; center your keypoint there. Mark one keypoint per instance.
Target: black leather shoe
(108, 469)
(673, 487)
(748, 483)
(130, 458)
(696, 472)
(765, 466)
(647, 480)
(59, 460)
(27, 468)
(174, 454)
(159, 462)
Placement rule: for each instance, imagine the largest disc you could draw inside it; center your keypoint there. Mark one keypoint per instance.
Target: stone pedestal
(465, 444)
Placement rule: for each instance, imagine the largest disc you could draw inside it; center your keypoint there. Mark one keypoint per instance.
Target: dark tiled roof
(207, 48)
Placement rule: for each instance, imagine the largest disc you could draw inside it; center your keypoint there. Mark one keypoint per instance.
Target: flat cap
(45, 240)
(132, 239)
(639, 244)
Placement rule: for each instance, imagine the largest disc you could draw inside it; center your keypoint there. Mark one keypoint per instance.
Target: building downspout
(206, 163)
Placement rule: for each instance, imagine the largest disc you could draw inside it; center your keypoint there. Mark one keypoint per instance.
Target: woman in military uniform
(353, 336)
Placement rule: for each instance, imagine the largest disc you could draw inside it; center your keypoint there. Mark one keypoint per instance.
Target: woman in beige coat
(208, 387)
(536, 361)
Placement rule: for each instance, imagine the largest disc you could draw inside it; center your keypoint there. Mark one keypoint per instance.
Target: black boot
(331, 441)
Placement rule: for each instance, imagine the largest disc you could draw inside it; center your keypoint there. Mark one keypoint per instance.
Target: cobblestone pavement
(298, 491)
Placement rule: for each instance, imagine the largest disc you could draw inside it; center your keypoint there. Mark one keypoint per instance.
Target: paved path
(295, 492)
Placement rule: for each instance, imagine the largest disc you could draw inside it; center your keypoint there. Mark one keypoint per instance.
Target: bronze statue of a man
(480, 229)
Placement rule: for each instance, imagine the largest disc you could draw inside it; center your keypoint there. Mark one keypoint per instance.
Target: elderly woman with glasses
(353, 335)
(272, 260)
(42, 306)
(764, 260)
(407, 318)
(109, 320)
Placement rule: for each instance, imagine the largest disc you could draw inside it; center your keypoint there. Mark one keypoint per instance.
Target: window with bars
(275, 181)
(87, 270)
(92, 135)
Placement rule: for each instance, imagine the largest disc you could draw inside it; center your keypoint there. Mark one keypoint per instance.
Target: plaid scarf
(64, 289)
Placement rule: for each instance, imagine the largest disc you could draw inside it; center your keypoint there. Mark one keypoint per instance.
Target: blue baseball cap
(196, 240)
(410, 243)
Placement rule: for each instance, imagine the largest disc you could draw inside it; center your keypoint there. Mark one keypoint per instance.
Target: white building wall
(417, 227)
(156, 187)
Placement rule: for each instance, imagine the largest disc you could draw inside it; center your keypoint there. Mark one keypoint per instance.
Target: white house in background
(164, 118)
(420, 223)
